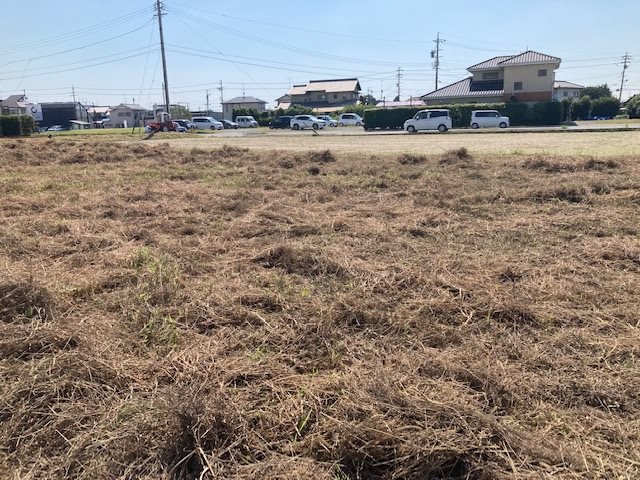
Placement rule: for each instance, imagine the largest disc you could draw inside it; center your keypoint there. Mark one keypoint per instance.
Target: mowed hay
(227, 313)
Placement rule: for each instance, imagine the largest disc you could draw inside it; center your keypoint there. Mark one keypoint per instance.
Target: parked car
(328, 120)
(207, 123)
(186, 124)
(300, 122)
(429, 120)
(350, 119)
(178, 127)
(246, 121)
(55, 128)
(281, 122)
(488, 119)
(229, 124)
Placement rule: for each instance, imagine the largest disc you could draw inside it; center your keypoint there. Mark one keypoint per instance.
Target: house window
(320, 97)
(565, 94)
(490, 76)
(335, 96)
(542, 72)
(517, 86)
(576, 94)
(344, 97)
(123, 114)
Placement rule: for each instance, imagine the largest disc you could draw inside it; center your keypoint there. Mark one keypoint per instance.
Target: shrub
(9, 126)
(581, 108)
(633, 106)
(543, 113)
(607, 107)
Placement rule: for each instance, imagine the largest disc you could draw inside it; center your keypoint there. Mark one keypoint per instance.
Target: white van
(207, 123)
(488, 119)
(246, 121)
(429, 120)
(350, 119)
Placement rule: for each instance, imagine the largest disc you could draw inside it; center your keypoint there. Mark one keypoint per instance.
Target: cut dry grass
(227, 313)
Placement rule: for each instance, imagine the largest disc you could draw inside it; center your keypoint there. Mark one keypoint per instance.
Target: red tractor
(162, 123)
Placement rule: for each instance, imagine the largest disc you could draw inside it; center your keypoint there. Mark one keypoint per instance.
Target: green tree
(607, 107)
(633, 106)
(597, 91)
(179, 111)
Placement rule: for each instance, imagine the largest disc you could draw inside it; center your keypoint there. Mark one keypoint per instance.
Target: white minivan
(429, 120)
(246, 121)
(207, 123)
(488, 119)
(350, 119)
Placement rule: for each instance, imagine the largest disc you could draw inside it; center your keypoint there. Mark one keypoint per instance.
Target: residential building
(562, 90)
(125, 115)
(249, 103)
(320, 94)
(14, 105)
(525, 77)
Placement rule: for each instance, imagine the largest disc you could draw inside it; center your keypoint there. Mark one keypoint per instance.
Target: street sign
(35, 110)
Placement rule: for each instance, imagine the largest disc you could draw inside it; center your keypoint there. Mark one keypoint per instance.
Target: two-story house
(322, 94)
(526, 77)
(125, 115)
(237, 103)
(563, 89)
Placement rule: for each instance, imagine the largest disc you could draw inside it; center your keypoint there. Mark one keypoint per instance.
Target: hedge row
(16, 125)
(541, 113)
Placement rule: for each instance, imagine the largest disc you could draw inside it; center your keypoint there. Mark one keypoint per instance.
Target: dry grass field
(200, 313)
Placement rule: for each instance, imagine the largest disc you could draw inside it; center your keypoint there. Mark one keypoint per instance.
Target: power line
(83, 32)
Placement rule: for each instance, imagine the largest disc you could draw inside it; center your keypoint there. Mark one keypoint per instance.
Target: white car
(246, 121)
(207, 123)
(350, 119)
(488, 119)
(300, 122)
(429, 120)
(328, 120)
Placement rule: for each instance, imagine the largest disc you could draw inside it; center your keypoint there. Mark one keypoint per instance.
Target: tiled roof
(334, 86)
(328, 86)
(12, 101)
(237, 100)
(464, 88)
(530, 57)
(491, 63)
(563, 84)
(298, 90)
(526, 58)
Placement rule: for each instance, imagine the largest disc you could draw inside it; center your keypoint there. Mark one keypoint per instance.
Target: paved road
(357, 131)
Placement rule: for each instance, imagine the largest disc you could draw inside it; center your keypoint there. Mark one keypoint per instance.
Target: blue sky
(108, 51)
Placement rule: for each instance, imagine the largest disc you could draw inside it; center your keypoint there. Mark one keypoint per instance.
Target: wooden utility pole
(159, 13)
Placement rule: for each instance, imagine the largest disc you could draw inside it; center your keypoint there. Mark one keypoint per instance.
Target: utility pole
(207, 102)
(73, 92)
(159, 13)
(221, 88)
(626, 59)
(398, 76)
(381, 89)
(435, 54)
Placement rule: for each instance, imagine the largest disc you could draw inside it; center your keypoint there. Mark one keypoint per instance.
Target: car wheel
(442, 128)
(411, 129)
(358, 124)
(296, 126)
(165, 129)
(315, 126)
(341, 124)
(475, 125)
(503, 125)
